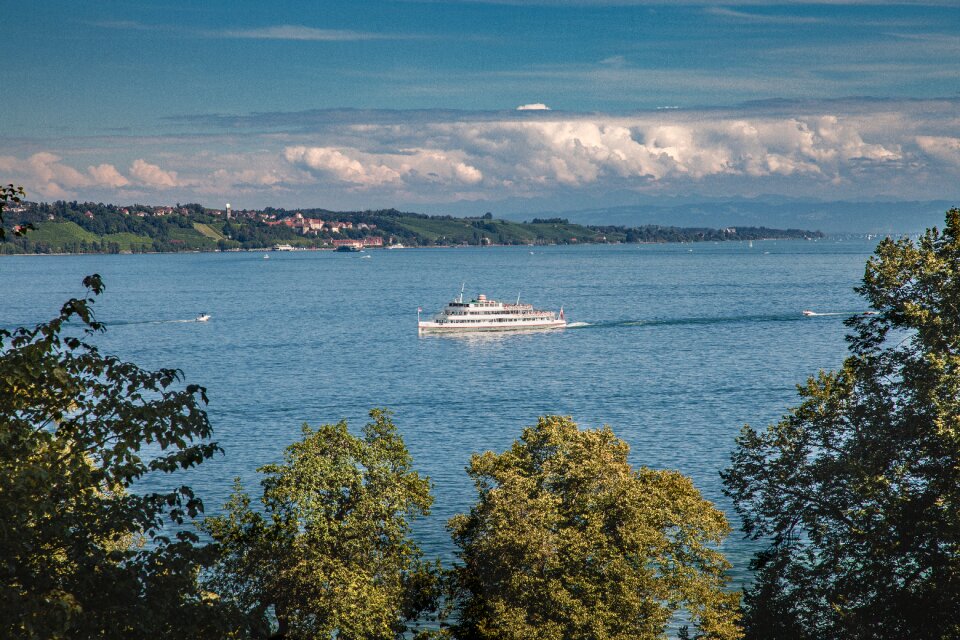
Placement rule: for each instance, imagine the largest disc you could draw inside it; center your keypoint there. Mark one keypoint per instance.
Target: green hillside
(208, 230)
(61, 233)
(71, 227)
(69, 237)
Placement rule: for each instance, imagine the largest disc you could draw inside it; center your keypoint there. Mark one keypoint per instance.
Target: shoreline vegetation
(67, 228)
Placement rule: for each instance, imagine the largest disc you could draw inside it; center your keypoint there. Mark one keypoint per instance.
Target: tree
(11, 194)
(568, 541)
(856, 492)
(331, 556)
(82, 556)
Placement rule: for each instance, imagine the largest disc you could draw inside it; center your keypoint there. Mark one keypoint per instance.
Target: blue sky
(414, 104)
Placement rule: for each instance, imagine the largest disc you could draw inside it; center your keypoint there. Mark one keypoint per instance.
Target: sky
(465, 106)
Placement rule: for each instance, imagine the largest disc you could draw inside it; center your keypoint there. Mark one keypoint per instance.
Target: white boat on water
(482, 314)
(203, 317)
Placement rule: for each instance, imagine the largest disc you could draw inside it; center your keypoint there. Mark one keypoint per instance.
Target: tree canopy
(14, 194)
(81, 555)
(856, 492)
(331, 553)
(566, 540)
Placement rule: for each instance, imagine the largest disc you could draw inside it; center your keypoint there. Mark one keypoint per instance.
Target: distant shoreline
(72, 228)
(270, 250)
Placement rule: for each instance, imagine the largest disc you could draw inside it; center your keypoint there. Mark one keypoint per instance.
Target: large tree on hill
(329, 553)
(856, 492)
(80, 555)
(568, 541)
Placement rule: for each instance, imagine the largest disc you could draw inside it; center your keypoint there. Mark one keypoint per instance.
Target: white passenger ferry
(482, 314)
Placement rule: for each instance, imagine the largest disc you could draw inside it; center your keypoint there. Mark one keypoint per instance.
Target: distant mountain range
(890, 218)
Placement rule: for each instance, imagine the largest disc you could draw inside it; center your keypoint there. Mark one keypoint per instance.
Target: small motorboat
(807, 312)
(203, 317)
(266, 257)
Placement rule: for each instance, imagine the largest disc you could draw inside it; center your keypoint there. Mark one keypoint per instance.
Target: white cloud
(510, 157)
(43, 174)
(614, 61)
(341, 166)
(298, 32)
(759, 18)
(150, 175)
(943, 148)
(107, 176)
(404, 167)
(536, 106)
(47, 168)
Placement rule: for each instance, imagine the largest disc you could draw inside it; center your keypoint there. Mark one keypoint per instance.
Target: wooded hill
(73, 227)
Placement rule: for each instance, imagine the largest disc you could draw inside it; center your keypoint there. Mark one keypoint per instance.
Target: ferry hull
(432, 327)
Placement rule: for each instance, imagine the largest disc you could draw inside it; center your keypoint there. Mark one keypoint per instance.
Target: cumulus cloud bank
(46, 175)
(908, 150)
(943, 148)
(375, 170)
(151, 175)
(525, 157)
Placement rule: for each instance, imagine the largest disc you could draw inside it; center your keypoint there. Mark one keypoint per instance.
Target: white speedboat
(482, 314)
(203, 317)
(807, 312)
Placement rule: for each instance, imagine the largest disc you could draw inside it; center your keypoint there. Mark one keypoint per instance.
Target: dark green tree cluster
(81, 555)
(856, 492)
(330, 553)
(568, 541)
(10, 194)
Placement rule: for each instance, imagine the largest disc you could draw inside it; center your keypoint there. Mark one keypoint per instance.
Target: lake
(684, 343)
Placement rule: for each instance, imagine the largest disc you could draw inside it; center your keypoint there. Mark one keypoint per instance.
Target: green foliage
(331, 554)
(857, 491)
(81, 556)
(11, 194)
(568, 541)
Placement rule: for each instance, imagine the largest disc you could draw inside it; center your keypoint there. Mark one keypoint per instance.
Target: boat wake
(668, 322)
(126, 323)
(715, 320)
(839, 313)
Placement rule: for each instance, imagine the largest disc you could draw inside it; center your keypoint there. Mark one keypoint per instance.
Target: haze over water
(683, 345)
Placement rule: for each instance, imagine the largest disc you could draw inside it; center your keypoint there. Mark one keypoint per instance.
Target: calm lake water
(684, 344)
